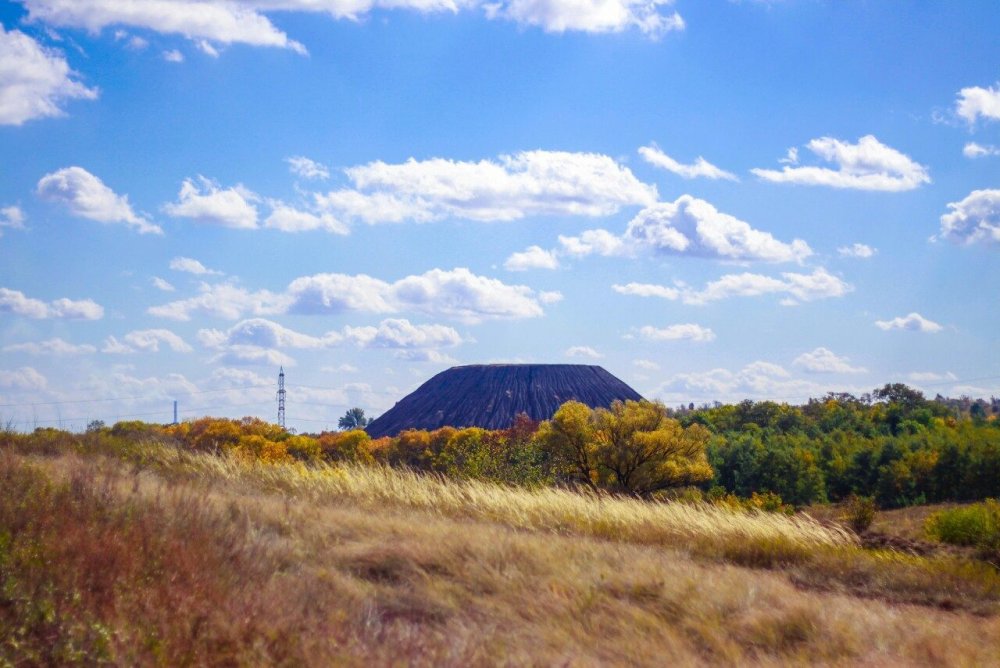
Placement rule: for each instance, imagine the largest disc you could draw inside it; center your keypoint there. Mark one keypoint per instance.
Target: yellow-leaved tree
(631, 447)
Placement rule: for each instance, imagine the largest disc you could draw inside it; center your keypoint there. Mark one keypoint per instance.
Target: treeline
(893, 445)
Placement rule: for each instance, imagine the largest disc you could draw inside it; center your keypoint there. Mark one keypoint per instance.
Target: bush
(975, 525)
(859, 512)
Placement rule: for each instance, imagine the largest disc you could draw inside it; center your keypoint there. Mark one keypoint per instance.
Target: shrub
(859, 512)
(975, 525)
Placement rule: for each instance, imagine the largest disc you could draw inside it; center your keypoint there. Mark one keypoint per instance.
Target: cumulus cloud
(820, 284)
(259, 340)
(222, 301)
(86, 196)
(161, 284)
(529, 183)
(253, 356)
(192, 266)
(687, 226)
(583, 351)
(593, 242)
(289, 219)
(203, 21)
(594, 16)
(12, 218)
(646, 365)
(306, 168)
(205, 201)
(457, 294)
(824, 360)
(866, 165)
(16, 302)
(55, 346)
(975, 102)
(647, 290)
(701, 167)
(758, 380)
(263, 333)
(974, 150)
(146, 340)
(34, 81)
(173, 56)
(680, 332)
(976, 219)
(857, 250)
(533, 257)
(24, 378)
(913, 322)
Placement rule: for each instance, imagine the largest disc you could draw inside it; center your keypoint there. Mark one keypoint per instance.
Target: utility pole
(175, 411)
(281, 397)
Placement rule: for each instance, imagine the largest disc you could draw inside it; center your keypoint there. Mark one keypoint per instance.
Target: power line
(134, 396)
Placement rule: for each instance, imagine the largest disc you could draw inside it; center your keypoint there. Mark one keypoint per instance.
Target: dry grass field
(172, 558)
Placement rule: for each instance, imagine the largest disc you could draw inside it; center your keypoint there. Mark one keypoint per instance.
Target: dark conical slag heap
(490, 395)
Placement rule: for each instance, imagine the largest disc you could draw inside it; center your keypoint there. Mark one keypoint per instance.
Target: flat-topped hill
(490, 395)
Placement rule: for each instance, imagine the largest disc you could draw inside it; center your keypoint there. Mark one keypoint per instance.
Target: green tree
(354, 418)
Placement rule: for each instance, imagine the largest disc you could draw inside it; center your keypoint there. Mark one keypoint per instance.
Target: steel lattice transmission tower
(281, 397)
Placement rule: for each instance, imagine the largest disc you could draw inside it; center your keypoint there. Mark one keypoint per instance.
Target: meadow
(132, 549)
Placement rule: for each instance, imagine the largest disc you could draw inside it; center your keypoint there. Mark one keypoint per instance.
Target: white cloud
(759, 380)
(861, 251)
(207, 202)
(34, 80)
(340, 368)
(931, 377)
(530, 183)
(54, 346)
(687, 226)
(307, 169)
(457, 294)
(913, 322)
(290, 219)
(16, 302)
(173, 56)
(976, 102)
(192, 266)
(533, 257)
(161, 284)
(800, 287)
(823, 360)
(262, 333)
(400, 333)
(11, 217)
(594, 16)
(692, 226)
(647, 290)
(976, 219)
(701, 167)
(86, 196)
(146, 340)
(583, 351)
(424, 355)
(680, 332)
(24, 378)
(222, 301)
(208, 21)
(866, 165)
(974, 150)
(647, 365)
(550, 296)
(593, 242)
(252, 355)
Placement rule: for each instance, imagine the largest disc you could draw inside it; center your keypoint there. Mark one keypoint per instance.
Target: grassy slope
(199, 560)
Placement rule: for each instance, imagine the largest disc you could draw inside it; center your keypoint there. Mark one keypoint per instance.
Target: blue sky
(714, 200)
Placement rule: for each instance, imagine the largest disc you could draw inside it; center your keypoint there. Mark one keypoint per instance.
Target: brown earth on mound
(491, 395)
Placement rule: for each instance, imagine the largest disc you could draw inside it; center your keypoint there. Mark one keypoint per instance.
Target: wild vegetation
(597, 537)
